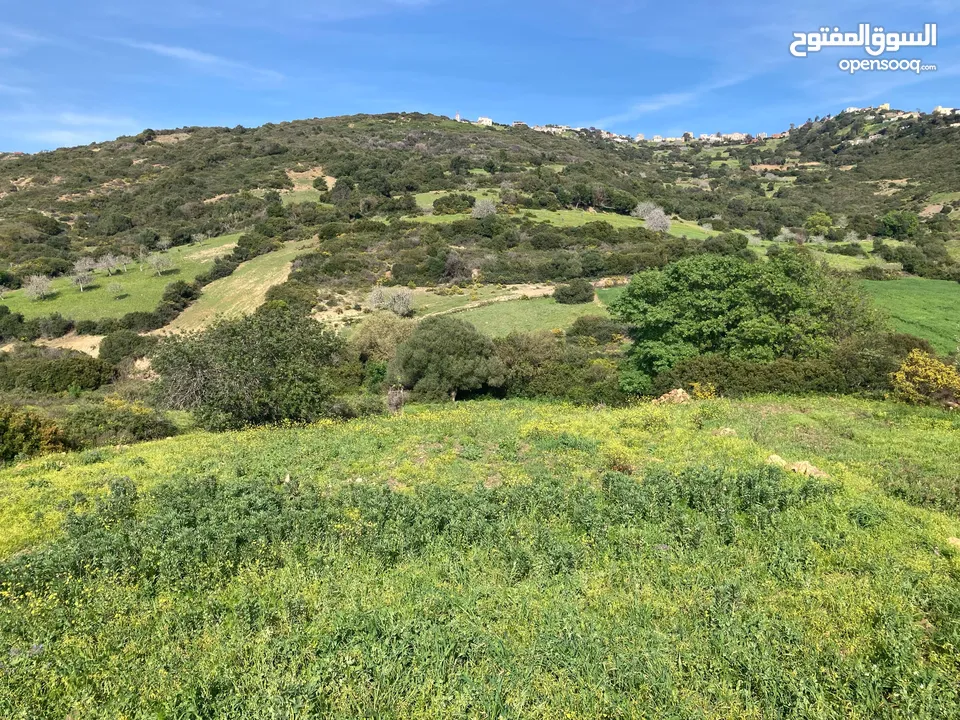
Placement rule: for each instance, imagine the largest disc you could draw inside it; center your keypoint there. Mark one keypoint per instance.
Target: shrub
(576, 292)
(270, 366)
(123, 344)
(23, 434)
(924, 380)
(377, 338)
(453, 204)
(116, 422)
(445, 356)
(53, 373)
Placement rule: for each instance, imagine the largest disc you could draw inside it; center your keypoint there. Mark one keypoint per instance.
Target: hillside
(411, 199)
(495, 559)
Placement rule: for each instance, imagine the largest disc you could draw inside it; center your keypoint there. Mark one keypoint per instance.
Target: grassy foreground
(495, 559)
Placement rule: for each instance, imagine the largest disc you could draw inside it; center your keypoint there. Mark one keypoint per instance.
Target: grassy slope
(540, 313)
(504, 577)
(142, 290)
(569, 218)
(241, 292)
(926, 308)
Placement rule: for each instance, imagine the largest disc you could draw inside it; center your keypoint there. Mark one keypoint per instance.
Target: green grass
(926, 308)
(563, 218)
(141, 290)
(241, 292)
(542, 313)
(494, 559)
(425, 200)
(944, 197)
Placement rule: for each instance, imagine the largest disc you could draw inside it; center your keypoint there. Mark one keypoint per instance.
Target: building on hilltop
(940, 110)
(520, 123)
(485, 121)
(639, 137)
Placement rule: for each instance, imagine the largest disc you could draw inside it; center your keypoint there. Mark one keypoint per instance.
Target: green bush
(115, 422)
(23, 434)
(53, 371)
(271, 366)
(445, 356)
(453, 204)
(124, 344)
(576, 292)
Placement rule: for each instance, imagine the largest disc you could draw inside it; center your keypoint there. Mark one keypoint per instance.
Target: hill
(495, 559)
(406, 198)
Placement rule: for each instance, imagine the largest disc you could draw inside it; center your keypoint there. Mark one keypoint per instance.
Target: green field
(576, 218)
(241, 292)
(425, 200)
(926, 308)
(542, 313)
(495, 559)
(141, 289)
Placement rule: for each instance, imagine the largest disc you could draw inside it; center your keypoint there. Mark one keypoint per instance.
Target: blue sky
(76, 72)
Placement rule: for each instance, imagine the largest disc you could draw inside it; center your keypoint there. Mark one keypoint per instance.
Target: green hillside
(926, 308)
(495, 559)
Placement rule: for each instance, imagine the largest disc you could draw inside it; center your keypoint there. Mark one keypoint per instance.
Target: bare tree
(115, 289)
(37, 287)
(165, 244)
(658, 221)
(123, 261)
(82, 278)
(3, 291)
(377, 299)
(160, 263)
(401, 303)
(643, 209)
(108, 262)
(84, 266)
(142, 255)
(483, 208)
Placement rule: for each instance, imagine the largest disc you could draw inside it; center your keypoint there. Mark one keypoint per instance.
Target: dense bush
(115, 422)
(121, 345)
(575, 292)
(789, 307)
(599, 328)
(453, 204)
(860, 364)
(49, 371)
(23, 434)
(924, 380)
(445, 356)
(270, 366)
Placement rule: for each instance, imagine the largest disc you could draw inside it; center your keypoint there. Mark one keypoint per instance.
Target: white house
(485, 121)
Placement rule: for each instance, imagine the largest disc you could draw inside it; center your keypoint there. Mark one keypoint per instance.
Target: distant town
(882, 112)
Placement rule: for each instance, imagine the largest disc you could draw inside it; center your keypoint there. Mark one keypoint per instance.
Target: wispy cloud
(664, 101)
(13, 90)
(65, 128)
(207, 61)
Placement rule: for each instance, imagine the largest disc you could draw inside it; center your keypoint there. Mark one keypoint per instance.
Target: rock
(805, 468)
(725, 432)
(777, 460)
(674, 397)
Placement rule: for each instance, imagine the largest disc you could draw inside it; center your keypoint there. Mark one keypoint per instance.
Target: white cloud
(198, 58)
(663, 101)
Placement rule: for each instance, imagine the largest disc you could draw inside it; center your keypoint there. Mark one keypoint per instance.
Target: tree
(643, 209)
(160, 262)
(575, 292)
(899, 224)
(445, 356)
(81, 279)
(483, 208)
(401, 303)
(115, 289)
(320, 184)
(267, 367)
(37, 287)
(377, 338)
(658, 221)
(787, 307)
(818, 224)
